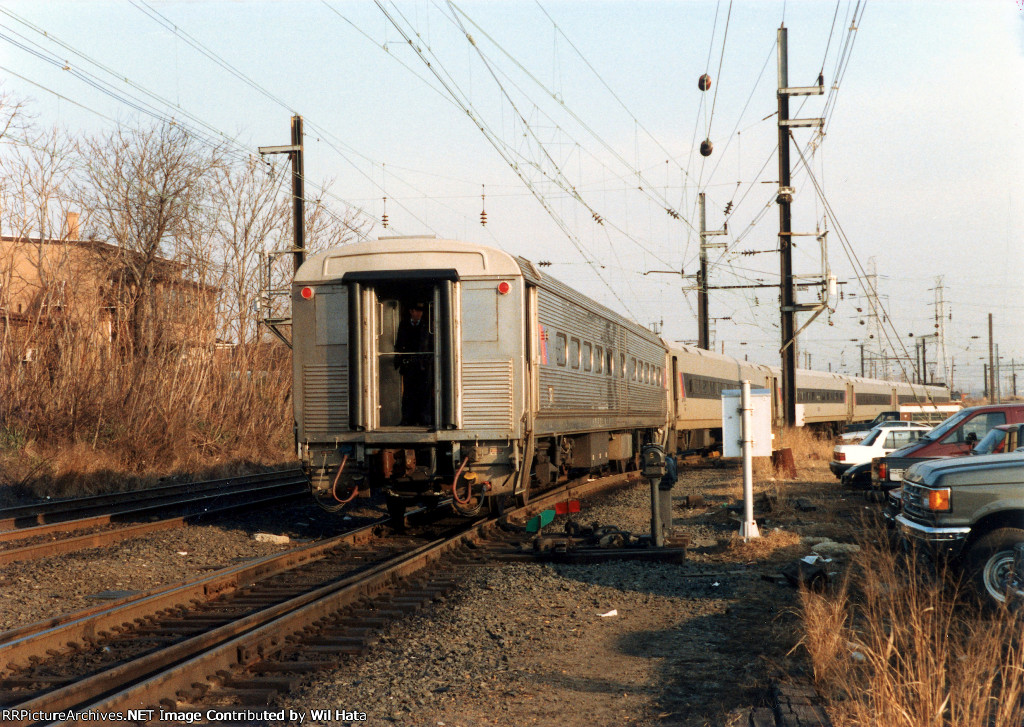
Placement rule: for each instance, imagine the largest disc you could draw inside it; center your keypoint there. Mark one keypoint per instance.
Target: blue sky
(921, 161)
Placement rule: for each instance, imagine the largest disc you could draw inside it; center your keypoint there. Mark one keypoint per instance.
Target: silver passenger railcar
(523, 379)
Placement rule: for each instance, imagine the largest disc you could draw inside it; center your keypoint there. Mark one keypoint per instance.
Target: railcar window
(622, 365)
(588, 356)
(560, 346)
(610, 368)
(632, 369)
(598, 360)
(657, 379)
(647, 373)
(574, 353)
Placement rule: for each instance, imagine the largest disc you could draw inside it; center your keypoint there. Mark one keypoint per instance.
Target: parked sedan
(879, 442)
(854, 436)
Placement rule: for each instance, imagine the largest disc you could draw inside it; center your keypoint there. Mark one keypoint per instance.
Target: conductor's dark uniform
(414, 345)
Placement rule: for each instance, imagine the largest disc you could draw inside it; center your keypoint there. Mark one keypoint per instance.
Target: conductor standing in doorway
(414, 346)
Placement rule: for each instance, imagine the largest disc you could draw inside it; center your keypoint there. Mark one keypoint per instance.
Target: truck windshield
(947, 425)
(885, 416)
(993, 443)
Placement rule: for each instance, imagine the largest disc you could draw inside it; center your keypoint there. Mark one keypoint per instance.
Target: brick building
(83, 285)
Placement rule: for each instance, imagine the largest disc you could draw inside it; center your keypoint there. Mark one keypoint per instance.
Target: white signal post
(747, 433)
(748, 528)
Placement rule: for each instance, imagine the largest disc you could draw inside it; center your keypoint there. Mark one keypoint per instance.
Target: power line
(452, 88)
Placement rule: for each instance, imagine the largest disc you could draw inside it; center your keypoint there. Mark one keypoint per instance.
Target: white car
(862, 433)
(879, 442)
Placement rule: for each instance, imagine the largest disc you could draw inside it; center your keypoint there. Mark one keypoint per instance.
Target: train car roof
(546, 282)
(714, 356)
(461, 259)
(448, 258)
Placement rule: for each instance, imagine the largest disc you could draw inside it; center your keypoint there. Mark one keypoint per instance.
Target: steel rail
(108, 537)
(18, 645)
(146, 508)
(257, 634)
(40, 513)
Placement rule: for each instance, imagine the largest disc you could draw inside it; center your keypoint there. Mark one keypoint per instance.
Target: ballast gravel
(527, 644)
(39, 589)
(690, 644)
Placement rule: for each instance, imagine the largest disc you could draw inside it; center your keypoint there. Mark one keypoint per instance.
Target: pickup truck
(970, 510)
(955, 437)
(862, 428)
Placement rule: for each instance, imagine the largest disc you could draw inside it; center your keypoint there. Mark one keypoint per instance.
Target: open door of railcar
(409, 365)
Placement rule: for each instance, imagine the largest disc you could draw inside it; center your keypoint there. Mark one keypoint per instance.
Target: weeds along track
(59, 527)
(245, 633)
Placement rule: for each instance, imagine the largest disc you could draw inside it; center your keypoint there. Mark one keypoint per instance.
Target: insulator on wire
(483, 207)
(597, 218)
(706, 148)
(704, 82)
(384, 217)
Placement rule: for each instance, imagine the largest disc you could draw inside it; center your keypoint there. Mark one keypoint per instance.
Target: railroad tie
(279, 683)
(251, 697)
(297, 667)
(28, 682)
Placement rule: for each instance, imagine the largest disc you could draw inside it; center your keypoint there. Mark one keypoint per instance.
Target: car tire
(875, 495)
(988, 563)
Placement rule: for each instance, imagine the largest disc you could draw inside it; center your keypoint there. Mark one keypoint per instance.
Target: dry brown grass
(774, 545)
(811, 455)
(82, 418)
(892, 647)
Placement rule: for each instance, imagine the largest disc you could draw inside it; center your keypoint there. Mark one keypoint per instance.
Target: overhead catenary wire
(718, 78)
(559, 178)
(221, 62)
(873, 298)
(647, 187)
(208, 134)
(452, 88)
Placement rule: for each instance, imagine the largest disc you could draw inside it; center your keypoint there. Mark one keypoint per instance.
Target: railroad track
(244, 634)
(41, 523)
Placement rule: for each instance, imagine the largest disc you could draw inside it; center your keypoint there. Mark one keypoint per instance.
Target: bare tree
(252, 216)
(324, 229)
(34, 195)
(145, 188)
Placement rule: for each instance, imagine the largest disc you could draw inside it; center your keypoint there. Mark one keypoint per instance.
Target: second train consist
(515, 380)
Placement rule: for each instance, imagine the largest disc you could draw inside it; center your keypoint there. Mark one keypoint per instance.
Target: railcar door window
(598, 360)
(588, 356)
(406, 347)
(574, 353)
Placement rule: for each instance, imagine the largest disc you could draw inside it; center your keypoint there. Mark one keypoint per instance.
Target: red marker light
(307, 293)
(504, 287)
